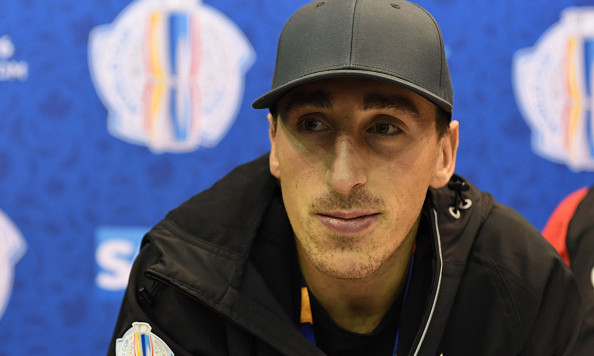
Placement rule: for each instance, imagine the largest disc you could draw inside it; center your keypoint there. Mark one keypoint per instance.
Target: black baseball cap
(388, 40)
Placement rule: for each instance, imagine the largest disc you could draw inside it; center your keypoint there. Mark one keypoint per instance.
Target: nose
(346, 170)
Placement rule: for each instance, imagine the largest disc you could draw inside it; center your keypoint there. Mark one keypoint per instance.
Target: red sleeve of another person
(555, 230)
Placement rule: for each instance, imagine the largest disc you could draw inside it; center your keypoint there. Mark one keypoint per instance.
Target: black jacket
(571, 229)
(218, 276)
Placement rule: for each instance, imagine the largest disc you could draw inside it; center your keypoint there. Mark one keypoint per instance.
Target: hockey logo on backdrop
(171, 73)
(11, 69)
(12, 249)
(554, 83)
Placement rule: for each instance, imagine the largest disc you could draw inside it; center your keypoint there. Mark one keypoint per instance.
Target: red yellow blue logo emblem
(140, 341)
(554, 88)
(170, 73)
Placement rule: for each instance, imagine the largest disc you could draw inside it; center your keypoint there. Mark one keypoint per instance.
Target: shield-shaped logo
(170, 73)
(553, 83)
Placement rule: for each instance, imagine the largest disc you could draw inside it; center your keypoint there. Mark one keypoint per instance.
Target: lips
(348, 223)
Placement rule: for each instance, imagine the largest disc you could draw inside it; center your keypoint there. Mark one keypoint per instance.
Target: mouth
(346, 223)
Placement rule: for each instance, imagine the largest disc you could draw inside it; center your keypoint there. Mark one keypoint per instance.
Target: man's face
(355, 158)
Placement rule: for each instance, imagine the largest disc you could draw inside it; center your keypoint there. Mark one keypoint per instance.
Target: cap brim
(269, 99)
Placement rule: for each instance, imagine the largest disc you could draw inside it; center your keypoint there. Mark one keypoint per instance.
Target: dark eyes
(384, 128)
(312, 125)
(379, 128)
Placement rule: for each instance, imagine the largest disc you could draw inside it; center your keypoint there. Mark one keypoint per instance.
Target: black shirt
(334, 340)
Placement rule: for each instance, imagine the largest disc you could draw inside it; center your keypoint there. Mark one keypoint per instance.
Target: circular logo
(170, 73)
(554, 88)
(140, 341)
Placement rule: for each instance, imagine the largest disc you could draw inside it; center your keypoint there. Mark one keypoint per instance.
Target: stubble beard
(344, 260)
(343, 257)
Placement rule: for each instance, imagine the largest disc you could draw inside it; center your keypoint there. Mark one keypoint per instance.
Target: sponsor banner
(116, 249)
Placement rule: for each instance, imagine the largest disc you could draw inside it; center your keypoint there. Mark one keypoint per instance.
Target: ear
(273, 158)
(447, 157)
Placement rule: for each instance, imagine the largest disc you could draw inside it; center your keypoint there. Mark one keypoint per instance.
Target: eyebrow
(319, 99)
(396, 103)
(323, 99)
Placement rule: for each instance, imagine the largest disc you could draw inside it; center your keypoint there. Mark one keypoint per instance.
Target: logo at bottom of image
(12, 249)
(140, 341)
(554, 89)
(116, 249)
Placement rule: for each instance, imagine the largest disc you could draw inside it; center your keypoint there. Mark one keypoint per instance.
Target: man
(570, 229)
(353, 236)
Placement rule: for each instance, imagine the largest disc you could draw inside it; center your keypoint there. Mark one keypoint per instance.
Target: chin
(349, 268)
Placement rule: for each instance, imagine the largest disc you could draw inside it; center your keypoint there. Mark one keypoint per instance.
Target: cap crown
(395, 41)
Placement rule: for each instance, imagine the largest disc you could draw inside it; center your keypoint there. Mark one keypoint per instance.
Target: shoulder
(233, 206)
(556, 228)
(248, 184)
(514, 248)
(518, 284)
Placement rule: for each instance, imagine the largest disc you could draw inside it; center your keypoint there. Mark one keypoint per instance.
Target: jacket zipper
(429, 316)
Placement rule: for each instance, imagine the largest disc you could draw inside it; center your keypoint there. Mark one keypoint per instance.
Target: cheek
(300, 168)
(405, 180)
(297, 178)
(422, 159)
(413, 167)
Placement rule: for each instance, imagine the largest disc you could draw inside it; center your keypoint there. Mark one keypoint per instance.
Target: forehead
(365, 93)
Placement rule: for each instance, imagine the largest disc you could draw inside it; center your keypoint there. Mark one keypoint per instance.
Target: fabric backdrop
(114, 112)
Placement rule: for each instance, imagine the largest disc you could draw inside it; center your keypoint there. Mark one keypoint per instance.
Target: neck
(358, 305)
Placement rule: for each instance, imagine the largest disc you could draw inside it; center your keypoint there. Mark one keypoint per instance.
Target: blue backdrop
(101, 135)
